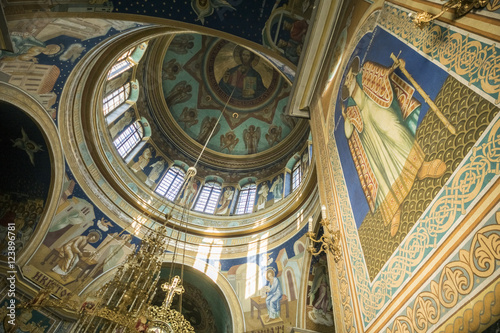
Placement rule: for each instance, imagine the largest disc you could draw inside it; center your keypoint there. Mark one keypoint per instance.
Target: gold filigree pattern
(471, 114)
(455, 198)
(455, 281)
(482, 313)
(476, 62)
(475, 174)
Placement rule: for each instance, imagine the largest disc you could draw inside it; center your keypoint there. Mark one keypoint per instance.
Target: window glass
(129, 138)
(171, 183)
(296, 175)
(116, 98)
(246, 199)
(208, 198)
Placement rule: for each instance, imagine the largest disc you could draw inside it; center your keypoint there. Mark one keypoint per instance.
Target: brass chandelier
(124, 304)
(461, 8)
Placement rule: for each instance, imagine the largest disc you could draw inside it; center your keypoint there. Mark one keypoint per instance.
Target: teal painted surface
(194, 73)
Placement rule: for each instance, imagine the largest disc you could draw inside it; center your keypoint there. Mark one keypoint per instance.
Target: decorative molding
(457, 279)
(341, 294)
(473, 177)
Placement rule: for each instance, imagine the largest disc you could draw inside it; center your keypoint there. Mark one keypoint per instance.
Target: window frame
(250, 192)
(296, 175)
(121, 65)
(123, 143)
(210, 193)
(116, 98)
(175, 184)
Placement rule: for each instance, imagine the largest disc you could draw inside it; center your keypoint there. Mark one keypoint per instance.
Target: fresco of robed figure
(243, 81)
(381, 115)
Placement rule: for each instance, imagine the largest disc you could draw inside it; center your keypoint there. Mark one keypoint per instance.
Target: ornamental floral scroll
(455, 280)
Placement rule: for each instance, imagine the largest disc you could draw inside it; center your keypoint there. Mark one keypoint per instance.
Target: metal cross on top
(174, 287)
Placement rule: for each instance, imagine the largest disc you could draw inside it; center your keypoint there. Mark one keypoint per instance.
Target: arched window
(116, 98)
(296, 175)
(246, 199)
(208, 198)
(171, 183)
(122, 64)
(129, 138)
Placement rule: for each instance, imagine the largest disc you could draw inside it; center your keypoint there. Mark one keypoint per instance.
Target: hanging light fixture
(124, 304)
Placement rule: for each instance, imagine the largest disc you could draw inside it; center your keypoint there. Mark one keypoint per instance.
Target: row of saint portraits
(81, 244)
(150, 167)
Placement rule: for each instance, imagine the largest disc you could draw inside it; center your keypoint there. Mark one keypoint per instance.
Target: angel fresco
(189, 117)
(181, 44)
(28, 145)
(228, 141)
(206, 129)
(273, 135)
(170, 69)
(180, 93)
(251, 137)
(378, 124)
(204, 8)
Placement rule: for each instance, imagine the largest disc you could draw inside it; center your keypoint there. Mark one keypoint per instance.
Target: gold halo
(236, 55)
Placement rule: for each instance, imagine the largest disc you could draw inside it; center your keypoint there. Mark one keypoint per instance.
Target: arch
(139, 51)
(216, 179)
(28, 104)
(290, 284)
(291, 162)
(299, 247)
(211, 273)
(247, 180)
(181, 165)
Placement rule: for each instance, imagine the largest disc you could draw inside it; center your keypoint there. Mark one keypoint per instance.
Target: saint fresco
(395, 130)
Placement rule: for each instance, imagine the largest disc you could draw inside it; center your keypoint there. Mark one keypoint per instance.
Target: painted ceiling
(259, 21)
(206, 78)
